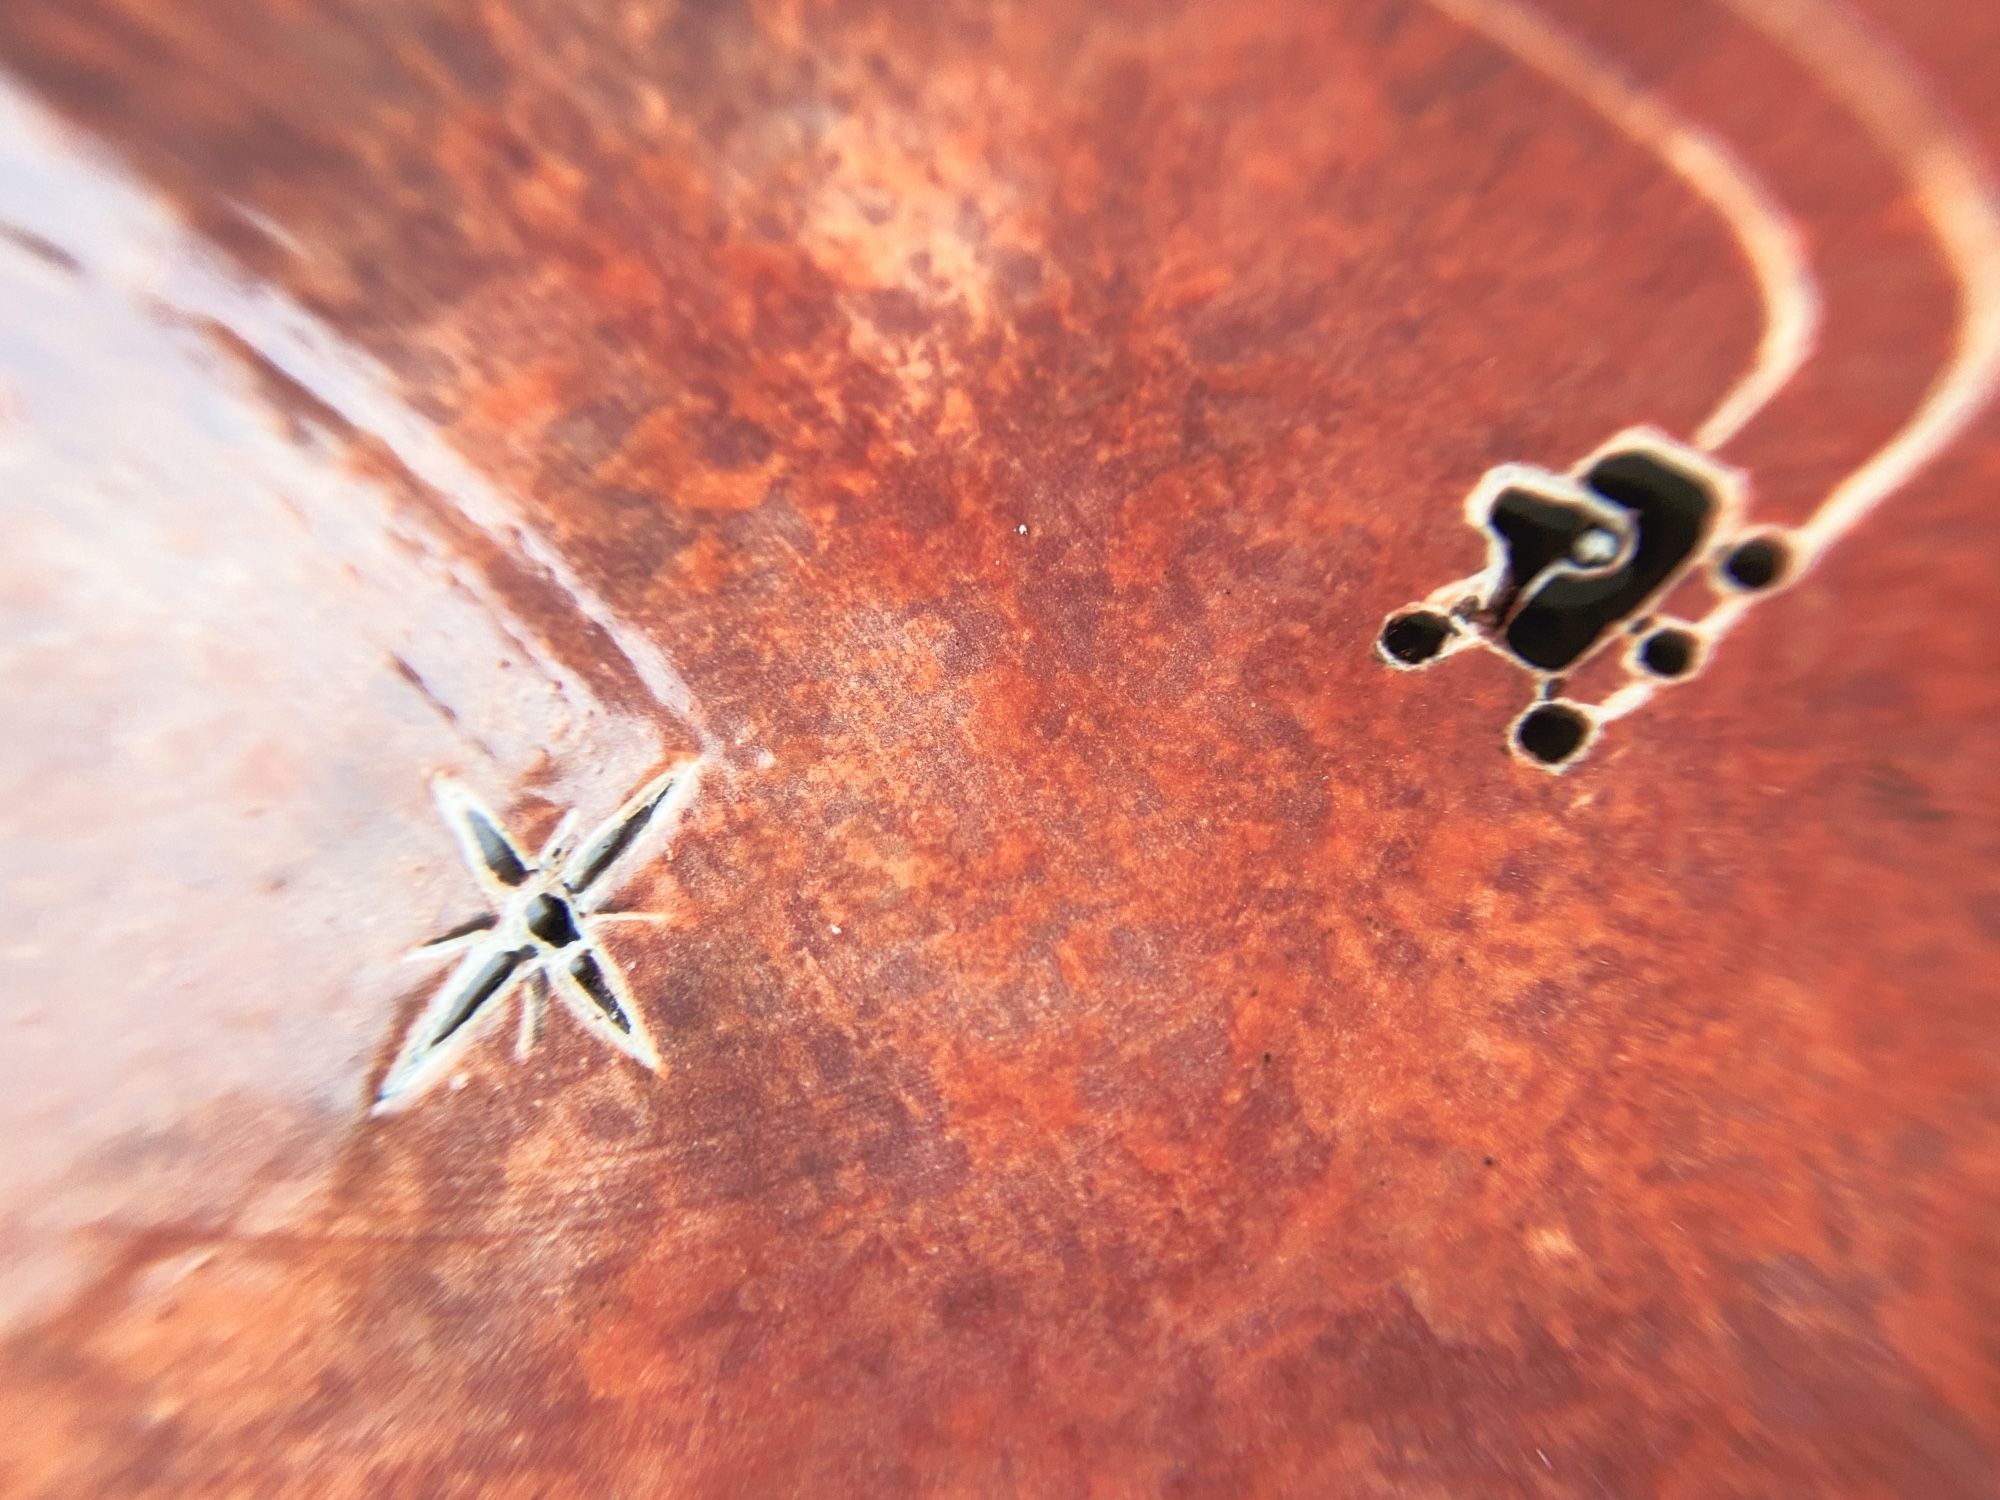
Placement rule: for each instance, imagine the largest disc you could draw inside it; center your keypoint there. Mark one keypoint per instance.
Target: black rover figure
(1574, 558)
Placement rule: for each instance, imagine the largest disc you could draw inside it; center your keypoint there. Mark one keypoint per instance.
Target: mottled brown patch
(1230, 1074)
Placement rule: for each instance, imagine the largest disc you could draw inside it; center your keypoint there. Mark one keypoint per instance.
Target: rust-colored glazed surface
(1118, 1037)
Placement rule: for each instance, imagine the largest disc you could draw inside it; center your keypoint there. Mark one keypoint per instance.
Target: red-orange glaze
(1120, 1038)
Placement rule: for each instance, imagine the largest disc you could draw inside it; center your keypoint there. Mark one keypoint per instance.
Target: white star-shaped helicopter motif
(540, 935)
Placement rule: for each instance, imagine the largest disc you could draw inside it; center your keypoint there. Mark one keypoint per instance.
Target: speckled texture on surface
(1120, 1039)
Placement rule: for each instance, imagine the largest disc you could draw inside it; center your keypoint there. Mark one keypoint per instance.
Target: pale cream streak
(1764, 232)
(154, 259)
(1711, 627)
(1957, 198)
(308, 352)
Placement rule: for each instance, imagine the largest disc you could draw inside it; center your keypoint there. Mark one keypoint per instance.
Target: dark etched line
(46, 251)
(443, 709)
(484, 922)
(494, 849)
(594, 861)
(590, 974)
(485, 984)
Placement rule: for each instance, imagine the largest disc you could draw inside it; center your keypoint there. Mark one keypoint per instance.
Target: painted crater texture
(1117, 1037)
